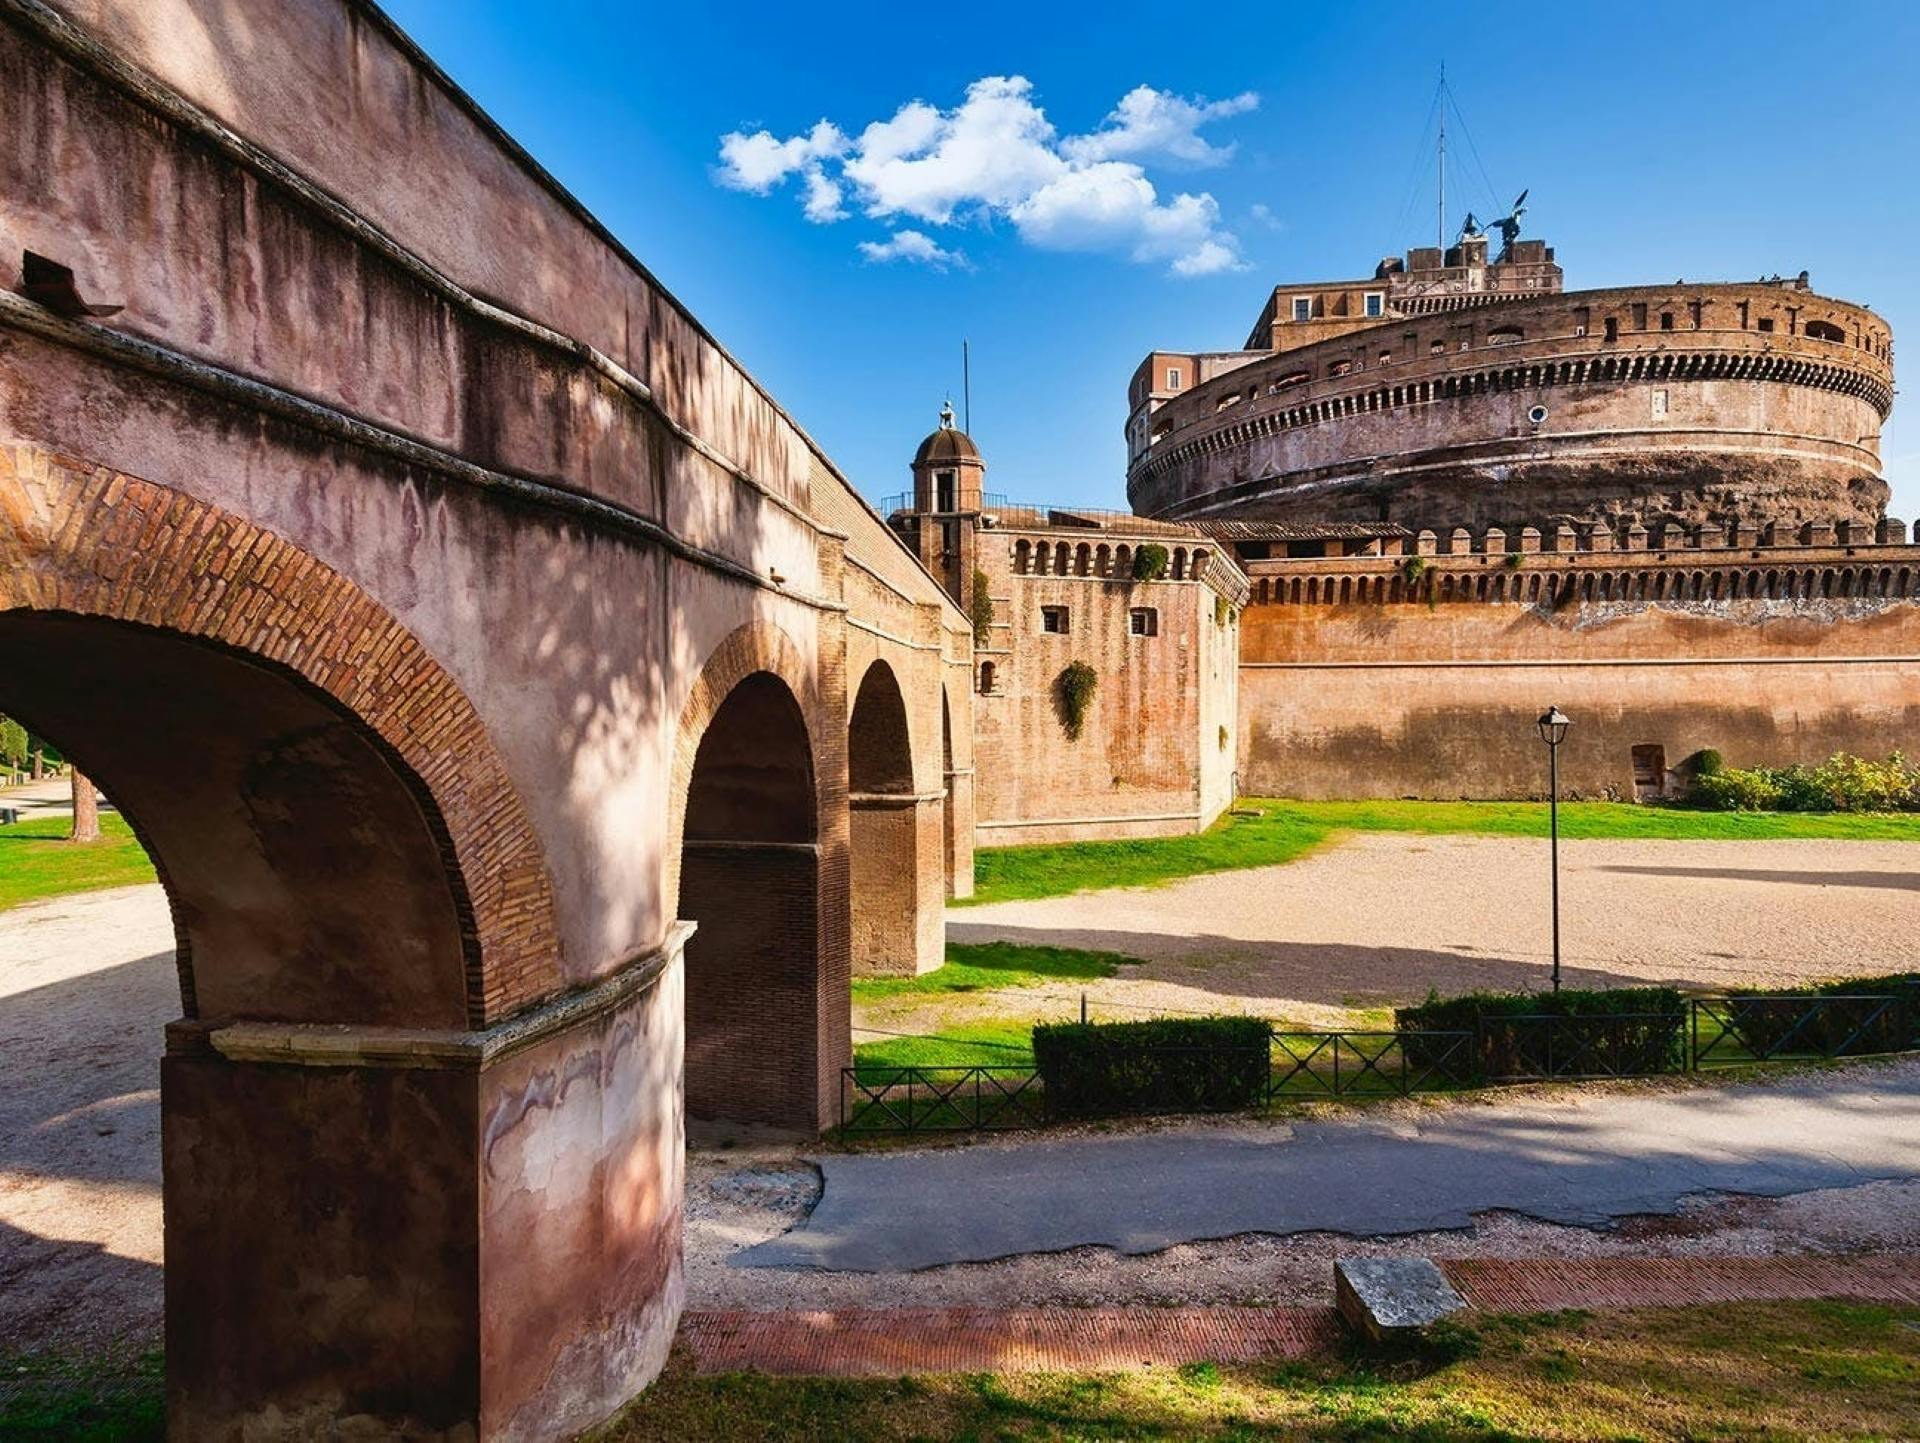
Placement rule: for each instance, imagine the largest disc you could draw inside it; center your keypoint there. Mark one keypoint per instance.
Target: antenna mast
(966, 385)
(1440, 219)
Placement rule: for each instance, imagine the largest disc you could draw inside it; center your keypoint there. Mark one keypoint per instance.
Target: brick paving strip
(1506, 1285)
(890, 1342)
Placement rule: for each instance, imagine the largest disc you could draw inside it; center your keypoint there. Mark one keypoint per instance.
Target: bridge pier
(427, 1234)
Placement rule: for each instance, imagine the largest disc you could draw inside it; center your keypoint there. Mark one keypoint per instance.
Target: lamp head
(1553, 726)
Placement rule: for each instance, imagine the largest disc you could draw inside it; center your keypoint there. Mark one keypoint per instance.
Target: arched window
(986, 678)
(1825, 331)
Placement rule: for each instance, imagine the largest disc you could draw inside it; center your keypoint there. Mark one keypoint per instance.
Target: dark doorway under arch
(749, 877)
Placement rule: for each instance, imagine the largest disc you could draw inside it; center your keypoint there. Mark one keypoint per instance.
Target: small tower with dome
(944, 515)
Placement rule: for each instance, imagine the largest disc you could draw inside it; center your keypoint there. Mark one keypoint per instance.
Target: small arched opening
(749, 877)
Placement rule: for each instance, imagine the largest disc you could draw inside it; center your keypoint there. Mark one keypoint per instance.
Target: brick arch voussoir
(756, 646)
(94, 542)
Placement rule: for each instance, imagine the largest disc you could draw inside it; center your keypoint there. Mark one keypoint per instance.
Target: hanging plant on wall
(1150, 562)
(982, 610)
(1076, 687)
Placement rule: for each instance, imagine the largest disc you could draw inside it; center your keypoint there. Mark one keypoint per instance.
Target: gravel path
(1379, 918)
(87, 982)
(86, 985)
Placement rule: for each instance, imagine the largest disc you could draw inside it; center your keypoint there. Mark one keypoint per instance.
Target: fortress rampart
(1414, 674)
(1692, 402)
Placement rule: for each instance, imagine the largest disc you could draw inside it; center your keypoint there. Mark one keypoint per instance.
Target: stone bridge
(533, 729)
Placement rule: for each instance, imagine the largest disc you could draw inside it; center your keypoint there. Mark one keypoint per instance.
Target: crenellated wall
(1419, 675)
(1157, 753)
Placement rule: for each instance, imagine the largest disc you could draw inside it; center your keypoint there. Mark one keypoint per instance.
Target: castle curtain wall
(1406, 699)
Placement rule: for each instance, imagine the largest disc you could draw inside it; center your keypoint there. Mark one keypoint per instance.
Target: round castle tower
(1442, 393)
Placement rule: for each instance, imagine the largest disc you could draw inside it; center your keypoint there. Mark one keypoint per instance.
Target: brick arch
(754, 647)
(91, 542)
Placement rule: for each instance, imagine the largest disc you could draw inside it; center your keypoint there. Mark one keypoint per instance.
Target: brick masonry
(92, 542)
(852, 1342)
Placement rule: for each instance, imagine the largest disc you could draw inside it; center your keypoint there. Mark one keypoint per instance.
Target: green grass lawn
(975, 968)
(1744, 1371)
(1284, 831)
(37, 860)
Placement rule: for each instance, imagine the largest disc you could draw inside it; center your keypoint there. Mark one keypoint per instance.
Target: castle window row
(1583, 370)
(1085, 558)
(1564, 588)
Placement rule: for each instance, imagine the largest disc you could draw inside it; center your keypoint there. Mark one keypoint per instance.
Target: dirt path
(86, 985)
(1379, 918)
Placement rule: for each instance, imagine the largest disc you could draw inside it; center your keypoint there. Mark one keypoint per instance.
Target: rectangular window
(1639, 315)
(1054, 619)
(1303, 308)
(1173, 378)
(1765, 324)
(944, 491)
(1666, 320)
(1143, 621)
(1376, 303)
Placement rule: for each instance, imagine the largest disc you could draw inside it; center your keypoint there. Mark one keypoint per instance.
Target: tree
(86, 810)
(13, 743)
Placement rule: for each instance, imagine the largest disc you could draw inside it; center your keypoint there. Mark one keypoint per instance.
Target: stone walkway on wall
(889, 1342)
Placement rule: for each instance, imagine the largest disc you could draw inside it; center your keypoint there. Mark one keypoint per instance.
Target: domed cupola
(947, 470)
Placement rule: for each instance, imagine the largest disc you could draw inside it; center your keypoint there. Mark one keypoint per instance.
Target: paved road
(1581, 1162)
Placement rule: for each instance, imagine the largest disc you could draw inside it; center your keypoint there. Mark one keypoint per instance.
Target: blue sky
(1699, 140)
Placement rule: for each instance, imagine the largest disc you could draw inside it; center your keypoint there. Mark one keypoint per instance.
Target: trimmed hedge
(1172, 1064)
(1843, 1029)
(1625, 1030)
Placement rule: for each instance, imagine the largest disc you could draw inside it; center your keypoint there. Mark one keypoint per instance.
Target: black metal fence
(1708, 1033)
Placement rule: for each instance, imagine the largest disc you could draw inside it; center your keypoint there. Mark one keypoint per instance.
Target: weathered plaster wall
(1411, 700)
(363, 332)
(1148, 761)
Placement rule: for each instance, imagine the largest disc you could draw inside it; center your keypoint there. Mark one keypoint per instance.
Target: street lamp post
(1553, 726)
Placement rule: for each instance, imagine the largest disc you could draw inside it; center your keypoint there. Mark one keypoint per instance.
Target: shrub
(1077, 684)
(1515, 560)
(1223, 738)
(1766, 1019)
(982, 610)
(1704, 763)
(1842, 783)
(1150, 562)
(1170, 1064)
(1737, 791)
(1413, 568)
(1222, 612)
(1627, 1030)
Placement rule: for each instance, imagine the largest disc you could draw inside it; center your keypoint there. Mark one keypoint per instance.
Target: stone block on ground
(1386, 1298)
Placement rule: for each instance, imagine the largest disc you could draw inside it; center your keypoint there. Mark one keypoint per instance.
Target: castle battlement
(1672, 563)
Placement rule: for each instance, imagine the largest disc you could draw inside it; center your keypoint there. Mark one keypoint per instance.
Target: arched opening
(895, 887)
(749, 877)
(309, 880)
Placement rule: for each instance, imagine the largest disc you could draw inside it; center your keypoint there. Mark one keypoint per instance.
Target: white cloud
(1113, 206)
(997, 156)
(993, 149)
(1149, 122)
(915, 246)
(760, 161)
(1265, 216)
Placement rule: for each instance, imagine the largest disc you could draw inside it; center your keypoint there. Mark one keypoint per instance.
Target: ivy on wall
(1077, 684)
(982, 610)
(1150, 562)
